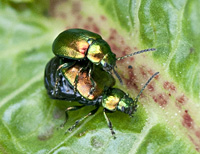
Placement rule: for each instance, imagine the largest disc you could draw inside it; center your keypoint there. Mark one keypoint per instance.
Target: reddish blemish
(131, 81)
(103, 18)
(187, 120)
(76, 8)
(62, 15)
(124, 52)
(157, 77)
(95, 28)
(86, 26)
(197, 133)
(161, 99)
(181, 99)
(143, 72)
(150, 72)
(113, 47)
(113, 34)
(169, 94)
(52, 7)
(90, 19)
(79, 17)
(122, 42)
(75, 25)
(127, 49)
(195, 143)
(111, 37)
(150, 87)
(169, 86)
(131, 59)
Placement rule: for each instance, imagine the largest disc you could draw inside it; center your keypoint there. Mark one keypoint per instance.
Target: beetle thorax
(111, 103)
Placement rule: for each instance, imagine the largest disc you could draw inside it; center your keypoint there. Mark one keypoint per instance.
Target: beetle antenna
(136, 99)
(137, 52)
(117, 75)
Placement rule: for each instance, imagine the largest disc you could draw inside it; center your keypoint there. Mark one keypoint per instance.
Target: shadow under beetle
(111, 99)
(80, 44)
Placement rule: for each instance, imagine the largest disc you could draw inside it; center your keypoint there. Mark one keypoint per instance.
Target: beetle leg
(83, 118)
(72, 108)
(109, 123)
(118, 77)
(77, 78)
(93, 83)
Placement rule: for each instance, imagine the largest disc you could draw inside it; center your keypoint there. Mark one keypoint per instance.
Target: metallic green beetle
(111, 99)
(78, 44)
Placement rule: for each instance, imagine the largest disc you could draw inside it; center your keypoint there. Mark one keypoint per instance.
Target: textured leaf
(167, 117)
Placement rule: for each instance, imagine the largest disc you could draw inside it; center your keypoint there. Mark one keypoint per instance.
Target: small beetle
(111, 99)
(102, 79)
(78, 44)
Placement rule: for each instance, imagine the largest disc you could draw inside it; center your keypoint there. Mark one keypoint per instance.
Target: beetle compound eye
(107, 67)
(90, 41)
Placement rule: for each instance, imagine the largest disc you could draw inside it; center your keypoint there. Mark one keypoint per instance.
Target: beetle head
(99, 52)
(108, 62)
(115, 99)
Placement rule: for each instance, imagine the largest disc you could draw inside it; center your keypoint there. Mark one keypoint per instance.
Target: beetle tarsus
(83, 118)
(109, 123)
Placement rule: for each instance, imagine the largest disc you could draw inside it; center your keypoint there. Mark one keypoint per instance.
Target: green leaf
(167, 119)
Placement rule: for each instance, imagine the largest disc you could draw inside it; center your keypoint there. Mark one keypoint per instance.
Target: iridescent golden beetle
(111, 99)
(79, 44)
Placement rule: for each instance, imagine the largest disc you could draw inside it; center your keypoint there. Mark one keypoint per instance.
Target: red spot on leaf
(79, 17)
(195, 143)
(197, 133)
(95, 28)
(169, 86)
(103, 18)
(90, 19)
(161, 99)
(113, 47)
(131, 81)
(150, 72)
(127, 49)
(143, 72)
(187, 120)
(181, 100)
(86, 26)
(150, 87)
(76, 8)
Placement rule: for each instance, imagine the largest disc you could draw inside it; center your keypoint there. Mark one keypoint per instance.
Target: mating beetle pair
(82, 72)
(111, 99)
(80, 44)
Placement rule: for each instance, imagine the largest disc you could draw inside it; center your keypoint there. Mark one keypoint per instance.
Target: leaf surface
(167, 119)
